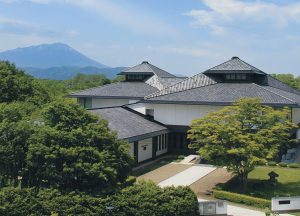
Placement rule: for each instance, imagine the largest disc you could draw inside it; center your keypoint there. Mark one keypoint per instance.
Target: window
(234, 76)
(85, 102)
(284, 202)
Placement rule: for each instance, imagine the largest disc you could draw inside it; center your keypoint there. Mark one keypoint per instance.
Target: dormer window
(236, 76)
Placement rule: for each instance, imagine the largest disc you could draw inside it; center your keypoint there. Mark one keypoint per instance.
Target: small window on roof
(243, 76)
(232, 76)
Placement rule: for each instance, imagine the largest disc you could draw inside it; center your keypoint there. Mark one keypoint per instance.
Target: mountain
(67, 72)
(48, 55)
(56, 61)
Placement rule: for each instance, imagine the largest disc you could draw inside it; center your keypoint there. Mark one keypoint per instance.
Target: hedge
(293, 165)
(272, 163)
(240, 198)
(282, 164)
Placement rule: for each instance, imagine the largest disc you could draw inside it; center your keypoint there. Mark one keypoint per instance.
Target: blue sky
(180, 36)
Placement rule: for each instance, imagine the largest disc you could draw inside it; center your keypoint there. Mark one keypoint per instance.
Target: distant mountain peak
(48, 55)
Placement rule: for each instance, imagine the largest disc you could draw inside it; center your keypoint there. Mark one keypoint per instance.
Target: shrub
(240, 198)
(272, 163)
(282, 164)
(180, 157)
(293, 165)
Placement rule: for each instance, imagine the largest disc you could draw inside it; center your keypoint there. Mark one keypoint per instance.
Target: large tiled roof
(148, 69)
(234, 65)
(227, 93)
(129, 124)
(186, 84)
(204, 88)
(118, 90)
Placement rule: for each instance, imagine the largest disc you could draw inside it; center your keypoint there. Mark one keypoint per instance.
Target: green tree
(241, 136)
(15, 130)
(74, 150)
(138, 200)
(289, 79)
(85, 81)
(15, 85)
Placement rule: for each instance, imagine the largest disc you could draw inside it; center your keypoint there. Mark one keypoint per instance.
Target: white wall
(144, 149)
(99, 103)
(139, 108)
(219, 206)
(296, 115)
(172, 114)
(294, 203)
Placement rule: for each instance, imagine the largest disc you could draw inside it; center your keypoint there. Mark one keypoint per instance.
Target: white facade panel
(100, 103)
(296, 115)
(144, 149)
(174, 114)
(285, 203)
(139, 108)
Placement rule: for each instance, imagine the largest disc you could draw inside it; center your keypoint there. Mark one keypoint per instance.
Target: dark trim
(154, 146)
(106, 97)
(233, 71)
(135, 151)
(210, 103)
(147, 135)
(135, 73)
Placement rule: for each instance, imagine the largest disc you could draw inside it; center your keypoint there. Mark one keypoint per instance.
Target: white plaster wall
(294, 204)
(140, 107)
(100, 103)
(147, 153)
(173, 114)
(296, 115)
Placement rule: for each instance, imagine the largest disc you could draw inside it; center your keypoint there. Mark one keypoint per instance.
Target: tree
(241, 136)
(15, 85)
(84, 81)
(137, 200)
(15, 130)
(75, 150)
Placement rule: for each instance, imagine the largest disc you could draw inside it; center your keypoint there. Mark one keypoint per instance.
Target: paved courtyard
(188, 176)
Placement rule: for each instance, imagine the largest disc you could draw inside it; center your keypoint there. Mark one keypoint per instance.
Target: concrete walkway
(188, 176)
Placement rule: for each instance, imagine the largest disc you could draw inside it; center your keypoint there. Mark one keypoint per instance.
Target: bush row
(138, 200)
(283, 164)
(240, 198)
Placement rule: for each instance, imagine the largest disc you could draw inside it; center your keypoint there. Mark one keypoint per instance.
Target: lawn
(258, 186)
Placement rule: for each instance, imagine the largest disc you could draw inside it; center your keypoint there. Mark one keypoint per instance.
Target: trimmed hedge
(240, 198)
(293, 165)
(272, 163)
(282, 164)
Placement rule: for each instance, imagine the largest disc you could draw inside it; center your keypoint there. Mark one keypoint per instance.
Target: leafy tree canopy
(139, 200)
(74, 150)
(241, 136)
(85, 81)
(15, 85)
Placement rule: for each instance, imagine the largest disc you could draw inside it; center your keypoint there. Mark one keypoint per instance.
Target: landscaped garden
(259, 186)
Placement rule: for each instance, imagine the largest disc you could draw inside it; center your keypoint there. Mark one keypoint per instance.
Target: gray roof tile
(225, 93)
(129, 124)
(118, 90)
(234, 65)
(147, 68)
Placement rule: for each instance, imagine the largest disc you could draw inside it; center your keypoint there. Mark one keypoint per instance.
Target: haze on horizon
(182, 37)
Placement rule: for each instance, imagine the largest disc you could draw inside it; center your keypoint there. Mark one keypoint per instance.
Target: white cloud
(223, 13)
(133, 18)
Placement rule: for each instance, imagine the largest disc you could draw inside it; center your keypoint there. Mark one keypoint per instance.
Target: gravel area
(208, 182)
(164, 172)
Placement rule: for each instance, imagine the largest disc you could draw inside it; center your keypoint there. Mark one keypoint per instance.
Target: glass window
(239, 76)
(243, 76)
(232, 76)
(227, 76)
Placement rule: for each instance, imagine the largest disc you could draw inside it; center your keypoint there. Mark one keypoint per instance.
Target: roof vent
(235, 57)
(145, 62)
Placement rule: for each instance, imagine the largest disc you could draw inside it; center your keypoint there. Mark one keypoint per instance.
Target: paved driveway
(188, 176)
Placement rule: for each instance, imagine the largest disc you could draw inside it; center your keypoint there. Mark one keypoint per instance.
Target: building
(173, 102)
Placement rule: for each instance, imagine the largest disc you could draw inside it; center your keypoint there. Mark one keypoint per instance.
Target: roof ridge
(146, 97)
(93, 88)
(151, 65)
(252, 66)
(276, 93)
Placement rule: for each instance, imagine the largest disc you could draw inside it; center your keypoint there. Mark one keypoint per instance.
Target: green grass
(295, 213)
(258, 186)
(154, 166)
